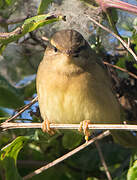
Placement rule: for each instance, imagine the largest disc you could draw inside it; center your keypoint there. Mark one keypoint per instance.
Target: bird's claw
(46, 127)
(84, 126)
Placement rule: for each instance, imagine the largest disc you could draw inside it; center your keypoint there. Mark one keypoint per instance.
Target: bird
(73, 85)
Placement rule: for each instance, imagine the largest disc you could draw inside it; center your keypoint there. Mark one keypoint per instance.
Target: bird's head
(68, 50)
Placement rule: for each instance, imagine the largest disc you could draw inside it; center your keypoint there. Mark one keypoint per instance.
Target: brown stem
(121, 69)
(103, 160)
(62, 158)
(23, 109)
(8, 125)
(105, 4)
(116, 36)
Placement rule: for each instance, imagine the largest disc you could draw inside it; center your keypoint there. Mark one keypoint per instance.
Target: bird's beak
(68, 53)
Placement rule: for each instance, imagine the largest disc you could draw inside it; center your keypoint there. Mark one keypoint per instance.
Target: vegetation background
(25, 150)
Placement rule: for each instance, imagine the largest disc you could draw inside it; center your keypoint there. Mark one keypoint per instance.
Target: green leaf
(114, 15)
(88, 159)
(43, 6)
(2, 48)
(10, 96)
(1, 3)
(8, 157)
(71, 139)
(135, 22)
(3, 114)
(29, 25)
(132, 172)
(9, 2)
(121, 63)
(135, 66)
(5, 3)
(128, 24)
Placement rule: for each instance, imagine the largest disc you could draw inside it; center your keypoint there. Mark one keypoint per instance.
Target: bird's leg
(46, 127)
(84, 126)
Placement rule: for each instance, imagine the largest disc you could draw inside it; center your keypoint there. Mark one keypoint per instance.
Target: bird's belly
(76, 101)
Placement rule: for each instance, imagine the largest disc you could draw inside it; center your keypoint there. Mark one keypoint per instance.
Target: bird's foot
(46, 127)
(84, 126)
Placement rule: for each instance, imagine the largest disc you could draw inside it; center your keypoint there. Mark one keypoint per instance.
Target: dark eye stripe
(79, 49)
(55, 49)
(52, 47)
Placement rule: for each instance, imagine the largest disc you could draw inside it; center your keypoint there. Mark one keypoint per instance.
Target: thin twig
(12, 21)
(23, 109)
(15, 21)
(121, 69)
(106, 4)
(44, 38)
(6, 126)
(103, 160)
(62, 158)
(116, 36)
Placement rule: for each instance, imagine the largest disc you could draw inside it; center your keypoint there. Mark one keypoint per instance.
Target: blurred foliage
(10, 97)
(8, 157)
(132, 172)
(29, 25)
(24, 150)
(43, 6)
(5, 3)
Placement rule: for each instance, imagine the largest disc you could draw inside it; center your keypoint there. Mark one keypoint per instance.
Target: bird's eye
(55, 49)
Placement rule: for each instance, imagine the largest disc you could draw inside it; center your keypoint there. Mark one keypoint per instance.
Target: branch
(4, 21)
(121, 69)
(6, 126)
(116, 36)
(23, 109)
(62, 158)
(103, 160)
(29, 25)
(106, 4)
